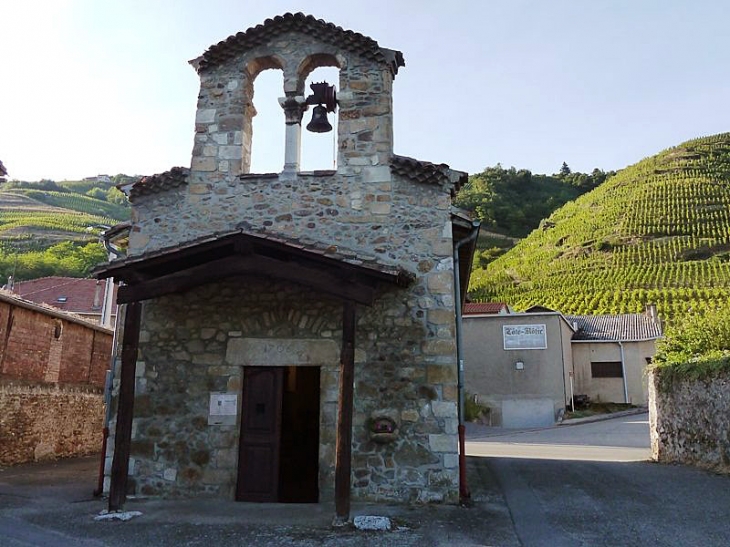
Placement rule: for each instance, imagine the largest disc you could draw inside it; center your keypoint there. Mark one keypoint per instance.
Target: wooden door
(258, 450)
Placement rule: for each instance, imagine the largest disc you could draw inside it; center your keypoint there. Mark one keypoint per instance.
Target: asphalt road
(551, 487)
(621, 439)
(591, 485)
(50, 505)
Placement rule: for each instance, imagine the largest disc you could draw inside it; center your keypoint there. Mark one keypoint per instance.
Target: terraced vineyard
(656, 232)
(44, 227)
(34, 218)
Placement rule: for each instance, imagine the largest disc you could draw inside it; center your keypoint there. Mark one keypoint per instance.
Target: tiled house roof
(305, 24)
(428, 173)
(177, 176)
(615, 328)
(71, 294)
(479, 308)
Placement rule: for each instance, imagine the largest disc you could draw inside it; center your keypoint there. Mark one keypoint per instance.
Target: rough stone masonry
(375, 208)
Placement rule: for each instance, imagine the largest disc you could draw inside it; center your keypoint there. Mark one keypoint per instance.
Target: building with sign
(291, 336)
(515, 364)
(526, 368)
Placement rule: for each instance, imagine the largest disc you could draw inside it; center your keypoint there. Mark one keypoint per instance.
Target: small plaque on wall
(517, 337)
(223, 408)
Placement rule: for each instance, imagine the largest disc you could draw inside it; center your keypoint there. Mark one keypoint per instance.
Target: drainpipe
(112, 253)
(623, 372)
(464, 493)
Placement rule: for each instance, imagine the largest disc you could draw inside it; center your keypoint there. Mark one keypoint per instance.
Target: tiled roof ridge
(53, 311)
(483, 307)
(427, 172)
(306, 24)
(63, 281)
(154, 184)
(49, 277)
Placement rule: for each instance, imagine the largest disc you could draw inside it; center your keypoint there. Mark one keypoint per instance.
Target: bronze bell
(319, 123)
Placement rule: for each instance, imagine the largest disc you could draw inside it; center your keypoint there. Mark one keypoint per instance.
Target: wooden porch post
(125, 407)
(344, 416)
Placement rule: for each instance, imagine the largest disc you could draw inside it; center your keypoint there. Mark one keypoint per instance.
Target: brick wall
(52, 371)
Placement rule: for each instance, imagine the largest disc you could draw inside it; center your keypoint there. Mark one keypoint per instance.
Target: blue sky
(91, 86)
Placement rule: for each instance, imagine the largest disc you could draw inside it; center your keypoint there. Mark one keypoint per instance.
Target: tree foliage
(97, 193)
(65, 259)
(697, 346)
(514, 201)
(44, 184)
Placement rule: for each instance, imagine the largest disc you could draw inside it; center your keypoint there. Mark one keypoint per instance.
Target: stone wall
(199, 342)
(690, 421)
(52, 372)
(41, 422)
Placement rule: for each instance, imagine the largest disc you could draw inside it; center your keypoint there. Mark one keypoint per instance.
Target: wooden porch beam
(343, 461)
(125, 407)
(317, 279)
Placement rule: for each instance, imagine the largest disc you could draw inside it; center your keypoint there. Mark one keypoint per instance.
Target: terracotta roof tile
(177, 176)
(474, 308)
(615, 328)
(70, 294)
(306, 24)
(428, 173)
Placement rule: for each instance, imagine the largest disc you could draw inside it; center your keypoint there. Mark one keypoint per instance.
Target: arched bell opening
(266, 138)
(267, 127)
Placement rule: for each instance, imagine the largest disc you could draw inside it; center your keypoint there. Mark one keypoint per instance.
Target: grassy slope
(658, 231)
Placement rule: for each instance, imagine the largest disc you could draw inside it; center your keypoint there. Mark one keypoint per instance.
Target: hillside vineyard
(656, 232)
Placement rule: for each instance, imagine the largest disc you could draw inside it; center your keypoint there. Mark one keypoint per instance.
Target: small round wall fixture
(383, 429)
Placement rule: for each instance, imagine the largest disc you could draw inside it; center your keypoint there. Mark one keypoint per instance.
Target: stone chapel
(290, 336)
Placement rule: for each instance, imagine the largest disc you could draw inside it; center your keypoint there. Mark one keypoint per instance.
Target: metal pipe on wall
(464, 493)
(623, 373)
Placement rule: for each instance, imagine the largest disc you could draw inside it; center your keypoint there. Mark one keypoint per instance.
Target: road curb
(602, 417)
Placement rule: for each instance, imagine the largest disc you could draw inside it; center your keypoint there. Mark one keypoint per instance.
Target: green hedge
(697, 348)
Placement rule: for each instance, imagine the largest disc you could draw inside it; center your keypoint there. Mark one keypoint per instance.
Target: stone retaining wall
(690, 421)
(44, 422)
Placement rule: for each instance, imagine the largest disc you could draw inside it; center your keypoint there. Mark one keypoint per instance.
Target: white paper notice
(223, 404)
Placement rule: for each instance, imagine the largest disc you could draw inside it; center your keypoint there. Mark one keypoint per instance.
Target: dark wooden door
(258, 452)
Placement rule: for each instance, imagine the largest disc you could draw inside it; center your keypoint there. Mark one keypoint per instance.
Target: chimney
(97, 294)
(651, 313)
